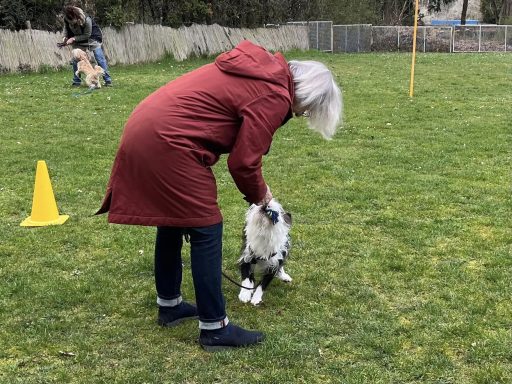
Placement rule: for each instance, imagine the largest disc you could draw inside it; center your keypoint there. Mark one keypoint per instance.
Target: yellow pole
(416, 12)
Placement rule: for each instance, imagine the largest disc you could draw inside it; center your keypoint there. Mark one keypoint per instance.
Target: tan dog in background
(92, 75)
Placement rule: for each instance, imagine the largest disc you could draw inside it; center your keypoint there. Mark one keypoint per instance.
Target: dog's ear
(287, 218)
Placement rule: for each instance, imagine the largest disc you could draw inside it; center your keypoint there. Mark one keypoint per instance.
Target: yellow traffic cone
(44, 207)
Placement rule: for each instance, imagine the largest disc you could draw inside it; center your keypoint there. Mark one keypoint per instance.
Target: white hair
(316, 93)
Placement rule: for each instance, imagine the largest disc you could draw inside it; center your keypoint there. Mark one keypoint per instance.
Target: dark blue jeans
(206, 262)
(102, 62)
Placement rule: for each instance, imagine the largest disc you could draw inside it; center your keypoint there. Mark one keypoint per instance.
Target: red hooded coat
(162, 172)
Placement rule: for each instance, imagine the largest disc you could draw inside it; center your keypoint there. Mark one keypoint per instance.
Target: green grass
(402, 257)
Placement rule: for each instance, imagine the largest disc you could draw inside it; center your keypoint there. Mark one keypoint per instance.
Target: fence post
(424, 39)
(452, 40)
(317, 32)
(359, 38)
(480, 38)
(332, 39)
(346, 39)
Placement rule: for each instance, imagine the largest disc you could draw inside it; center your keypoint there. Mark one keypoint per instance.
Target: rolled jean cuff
(169, 302)
(210, 326)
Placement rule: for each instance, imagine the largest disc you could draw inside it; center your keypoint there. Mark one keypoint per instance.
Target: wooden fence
(31, 50)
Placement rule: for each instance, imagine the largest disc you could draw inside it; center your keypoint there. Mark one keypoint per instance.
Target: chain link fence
(482, 38)
(352, 38)
(325, 36)
(319, 34)
(428, 39)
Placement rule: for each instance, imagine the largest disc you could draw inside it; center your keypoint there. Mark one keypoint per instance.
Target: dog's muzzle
(272, 215)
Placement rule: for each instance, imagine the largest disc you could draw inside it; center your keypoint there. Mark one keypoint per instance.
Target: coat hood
(251, 60)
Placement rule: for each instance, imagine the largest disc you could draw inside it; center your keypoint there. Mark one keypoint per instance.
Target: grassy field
(402, 257)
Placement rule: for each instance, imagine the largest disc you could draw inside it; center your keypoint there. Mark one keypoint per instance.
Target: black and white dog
(266, 246)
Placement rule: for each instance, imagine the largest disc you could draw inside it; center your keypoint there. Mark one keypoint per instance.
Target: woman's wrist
(267, 198)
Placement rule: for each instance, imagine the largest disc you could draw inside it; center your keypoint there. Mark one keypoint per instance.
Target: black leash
(187, 239)
(274, 217)
(240, 285)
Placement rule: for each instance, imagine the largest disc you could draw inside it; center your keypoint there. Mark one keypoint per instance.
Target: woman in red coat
(162, 173)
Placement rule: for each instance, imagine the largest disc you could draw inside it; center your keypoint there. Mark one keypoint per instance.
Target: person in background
(162, 173)
(81, 31)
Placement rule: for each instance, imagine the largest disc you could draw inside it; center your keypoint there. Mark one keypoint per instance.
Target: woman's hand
(267, 198)
(70, 41)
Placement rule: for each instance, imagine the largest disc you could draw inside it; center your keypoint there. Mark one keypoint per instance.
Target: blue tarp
(453, 22)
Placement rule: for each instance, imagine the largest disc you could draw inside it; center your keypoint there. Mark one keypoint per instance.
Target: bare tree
(506, 12)
(398, 12)
(464, 12)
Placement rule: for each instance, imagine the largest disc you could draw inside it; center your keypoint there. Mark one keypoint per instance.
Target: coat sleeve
(260, 119)
(86, 32)
(65, 31)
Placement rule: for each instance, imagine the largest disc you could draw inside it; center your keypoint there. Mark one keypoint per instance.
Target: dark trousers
(206, 263)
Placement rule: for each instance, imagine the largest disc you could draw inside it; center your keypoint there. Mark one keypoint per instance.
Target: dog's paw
(283, 276)
(245, 294)
(257, 297)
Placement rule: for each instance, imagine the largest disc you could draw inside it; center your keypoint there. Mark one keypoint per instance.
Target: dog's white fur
(266, 243)
(92, 74)
(264, 237)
